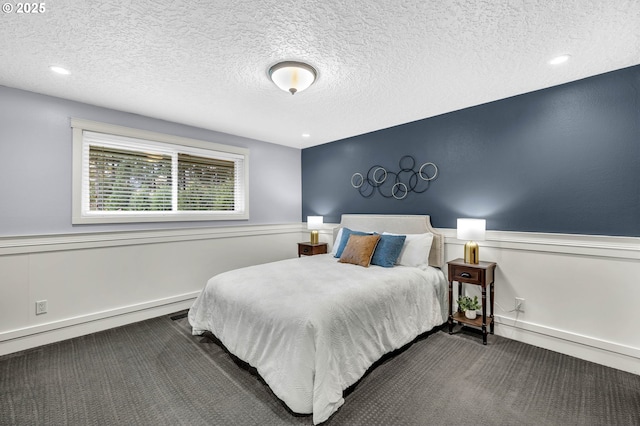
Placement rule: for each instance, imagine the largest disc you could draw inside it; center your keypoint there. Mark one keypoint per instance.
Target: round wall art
(395, 184)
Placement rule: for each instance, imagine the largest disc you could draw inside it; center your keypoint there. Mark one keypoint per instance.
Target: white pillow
(416, 249)
(336, 242)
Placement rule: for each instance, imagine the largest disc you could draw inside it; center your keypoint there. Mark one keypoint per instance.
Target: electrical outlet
(519, 304)
(41, 307)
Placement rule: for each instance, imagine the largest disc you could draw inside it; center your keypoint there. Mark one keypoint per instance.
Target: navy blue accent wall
(564, 159)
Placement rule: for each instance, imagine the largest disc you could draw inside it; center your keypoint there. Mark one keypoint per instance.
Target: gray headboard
(398, 224)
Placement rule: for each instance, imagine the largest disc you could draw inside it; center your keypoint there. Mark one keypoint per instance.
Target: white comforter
(312, 326)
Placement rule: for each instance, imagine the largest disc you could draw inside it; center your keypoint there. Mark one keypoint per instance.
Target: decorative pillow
(359, 249)
(388, 250)
(346, 233)
(416, 249)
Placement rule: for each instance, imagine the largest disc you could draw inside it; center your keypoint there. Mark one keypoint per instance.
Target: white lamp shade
(293, 77)
(314, 222)
(471, 229)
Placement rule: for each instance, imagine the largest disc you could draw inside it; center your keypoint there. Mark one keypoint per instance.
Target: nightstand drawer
(464, 274)
(309, 249)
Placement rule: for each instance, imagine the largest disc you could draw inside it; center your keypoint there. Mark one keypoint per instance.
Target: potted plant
(468, 306)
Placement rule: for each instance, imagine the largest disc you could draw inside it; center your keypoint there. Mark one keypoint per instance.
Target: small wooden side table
(481, 274)
(309, 249)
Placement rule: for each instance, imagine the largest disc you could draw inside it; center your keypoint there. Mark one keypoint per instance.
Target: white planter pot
(471, 314)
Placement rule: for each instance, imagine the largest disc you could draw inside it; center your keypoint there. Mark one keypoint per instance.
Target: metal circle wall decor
(395, 184)
(384, 176)
(357, 180)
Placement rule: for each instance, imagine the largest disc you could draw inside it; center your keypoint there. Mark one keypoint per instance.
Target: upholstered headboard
(398, 224)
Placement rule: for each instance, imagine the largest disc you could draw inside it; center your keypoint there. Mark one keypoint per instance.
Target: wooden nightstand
(309, 249)
(481, 274)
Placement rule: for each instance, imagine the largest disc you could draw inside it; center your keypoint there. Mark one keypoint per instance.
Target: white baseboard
(584, 347)
(44, 334)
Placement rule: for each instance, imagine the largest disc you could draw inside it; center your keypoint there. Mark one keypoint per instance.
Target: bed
(312, 326)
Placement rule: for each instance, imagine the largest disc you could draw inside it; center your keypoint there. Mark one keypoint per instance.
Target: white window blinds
(121, 180)
(206, 183)
(124, 178)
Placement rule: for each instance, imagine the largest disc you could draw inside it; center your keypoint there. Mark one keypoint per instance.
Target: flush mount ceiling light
(59, 70)
(292, 76)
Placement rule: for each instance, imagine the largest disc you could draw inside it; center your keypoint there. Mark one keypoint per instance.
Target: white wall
(580, 291)
(97, 281)
(104, 275)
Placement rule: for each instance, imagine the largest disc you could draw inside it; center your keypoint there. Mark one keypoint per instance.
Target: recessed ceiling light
(59, 70)
(306, 135)
(559, 59)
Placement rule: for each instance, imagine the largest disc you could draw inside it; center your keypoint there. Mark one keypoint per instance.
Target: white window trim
(80, 217)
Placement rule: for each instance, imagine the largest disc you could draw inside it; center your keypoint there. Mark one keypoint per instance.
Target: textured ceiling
(380, 63)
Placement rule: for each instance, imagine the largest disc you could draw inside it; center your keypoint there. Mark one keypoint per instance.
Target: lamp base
(471, 253)
(314, 237)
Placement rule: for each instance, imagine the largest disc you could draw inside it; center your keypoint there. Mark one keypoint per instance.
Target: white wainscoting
(98, 281)
(580, 291)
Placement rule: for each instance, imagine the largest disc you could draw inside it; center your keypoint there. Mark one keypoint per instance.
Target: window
(128, 175)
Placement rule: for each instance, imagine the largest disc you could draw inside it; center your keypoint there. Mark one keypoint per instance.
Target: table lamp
(313, 223)
(472, 230)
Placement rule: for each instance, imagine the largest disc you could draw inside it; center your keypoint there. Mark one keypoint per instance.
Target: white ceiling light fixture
(560, 59)
(293, 77)
(59, 70)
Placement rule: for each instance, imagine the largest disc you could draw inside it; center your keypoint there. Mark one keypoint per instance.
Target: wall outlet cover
(41, 307)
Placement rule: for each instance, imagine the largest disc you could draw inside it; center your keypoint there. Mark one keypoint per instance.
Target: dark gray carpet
(155, 373)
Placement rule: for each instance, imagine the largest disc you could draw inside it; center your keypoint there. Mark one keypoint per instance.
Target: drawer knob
(465, 275)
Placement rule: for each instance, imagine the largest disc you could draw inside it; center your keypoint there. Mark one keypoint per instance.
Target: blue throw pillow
(346, 233)
(388, 250)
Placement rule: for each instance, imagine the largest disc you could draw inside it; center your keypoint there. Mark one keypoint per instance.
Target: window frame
(80, 174)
